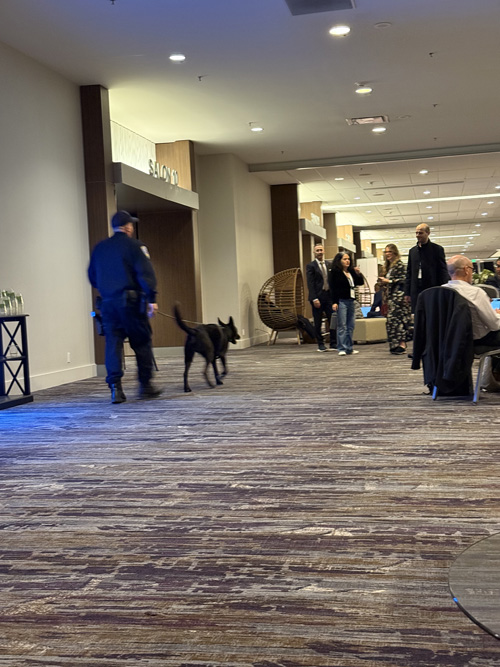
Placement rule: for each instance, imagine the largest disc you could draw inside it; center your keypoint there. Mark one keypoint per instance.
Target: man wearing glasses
(426, 266)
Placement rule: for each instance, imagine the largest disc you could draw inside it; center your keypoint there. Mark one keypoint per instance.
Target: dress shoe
(117, 394)
(149, 391)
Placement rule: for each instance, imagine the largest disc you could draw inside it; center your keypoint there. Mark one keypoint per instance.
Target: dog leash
(171, 317)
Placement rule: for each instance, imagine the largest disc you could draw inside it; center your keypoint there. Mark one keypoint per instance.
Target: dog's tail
(180, 321)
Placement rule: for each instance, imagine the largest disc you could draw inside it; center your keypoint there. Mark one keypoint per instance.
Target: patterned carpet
(305, 514)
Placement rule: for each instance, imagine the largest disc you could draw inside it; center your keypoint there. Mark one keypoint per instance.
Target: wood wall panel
(306, 208)
(99, 184)
(357, 242)
(171, 239)
(345, 232)
(331, 243)
(179, 155)
(287, 238)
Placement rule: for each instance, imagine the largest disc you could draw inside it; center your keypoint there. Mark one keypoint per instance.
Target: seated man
(485, 320)
(376, 309)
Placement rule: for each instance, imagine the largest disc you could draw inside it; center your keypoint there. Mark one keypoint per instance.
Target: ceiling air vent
(368, 120)
(298, 7)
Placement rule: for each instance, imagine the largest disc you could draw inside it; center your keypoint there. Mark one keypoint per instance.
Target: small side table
(14, 362)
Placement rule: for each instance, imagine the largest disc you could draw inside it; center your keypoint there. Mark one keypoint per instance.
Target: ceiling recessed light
(177, 57)
(382, 24)
(423, 171)
(490, 202)
(427, 192)
(484, 214)
(428, 207)
(339, 30)
(257, 128)
(379, 129)
(339, 178)
(497, 187)
(363, 89)
(367, 211)
(478, 225)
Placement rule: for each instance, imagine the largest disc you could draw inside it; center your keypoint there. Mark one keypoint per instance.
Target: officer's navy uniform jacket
(122, 272)
(119, 264)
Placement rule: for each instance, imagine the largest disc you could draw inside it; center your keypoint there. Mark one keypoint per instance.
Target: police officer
(121, 270)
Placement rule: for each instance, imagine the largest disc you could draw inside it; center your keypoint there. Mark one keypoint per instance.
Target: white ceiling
(433, 72)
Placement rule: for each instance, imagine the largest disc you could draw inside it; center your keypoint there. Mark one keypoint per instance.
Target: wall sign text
(163, 173)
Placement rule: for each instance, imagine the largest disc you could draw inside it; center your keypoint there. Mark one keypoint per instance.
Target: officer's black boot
(117, 395)
(149, 390)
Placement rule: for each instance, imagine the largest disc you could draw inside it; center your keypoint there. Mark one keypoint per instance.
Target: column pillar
(287, 238)
(99, 182)
(331, 244)
(357, 242)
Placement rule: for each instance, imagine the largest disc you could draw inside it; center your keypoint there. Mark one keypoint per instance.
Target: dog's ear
(231, 323)
(221, 324)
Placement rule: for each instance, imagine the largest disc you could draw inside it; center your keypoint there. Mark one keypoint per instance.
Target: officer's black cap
(121, 218)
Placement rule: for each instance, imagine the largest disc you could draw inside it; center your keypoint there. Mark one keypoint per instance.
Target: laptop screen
(495, 303)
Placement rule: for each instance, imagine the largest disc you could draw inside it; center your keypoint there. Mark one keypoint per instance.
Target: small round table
(474, 582)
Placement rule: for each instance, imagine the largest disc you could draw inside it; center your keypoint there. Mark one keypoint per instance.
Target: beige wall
(43, 227)
(43, 223)
(235, 243)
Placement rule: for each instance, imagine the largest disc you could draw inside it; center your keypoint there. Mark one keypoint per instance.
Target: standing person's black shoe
(321, 347)
(117, 394)
(149, 391)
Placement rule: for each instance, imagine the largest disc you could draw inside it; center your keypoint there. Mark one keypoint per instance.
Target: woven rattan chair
(281, 301)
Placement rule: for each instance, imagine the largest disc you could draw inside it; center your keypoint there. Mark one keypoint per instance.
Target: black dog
(209, 340)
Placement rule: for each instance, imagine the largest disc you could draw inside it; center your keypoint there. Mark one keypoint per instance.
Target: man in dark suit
(319, 294)
(426, 266)
(495, 280)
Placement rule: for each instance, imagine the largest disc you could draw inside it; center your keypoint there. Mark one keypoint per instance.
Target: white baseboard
(56, 378)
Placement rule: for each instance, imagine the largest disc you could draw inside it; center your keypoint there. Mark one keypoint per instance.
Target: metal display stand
(13, 361)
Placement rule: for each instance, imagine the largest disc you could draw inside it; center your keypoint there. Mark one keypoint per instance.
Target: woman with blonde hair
(398, 311)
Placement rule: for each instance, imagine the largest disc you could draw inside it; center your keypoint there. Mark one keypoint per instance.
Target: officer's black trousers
(126, 321)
